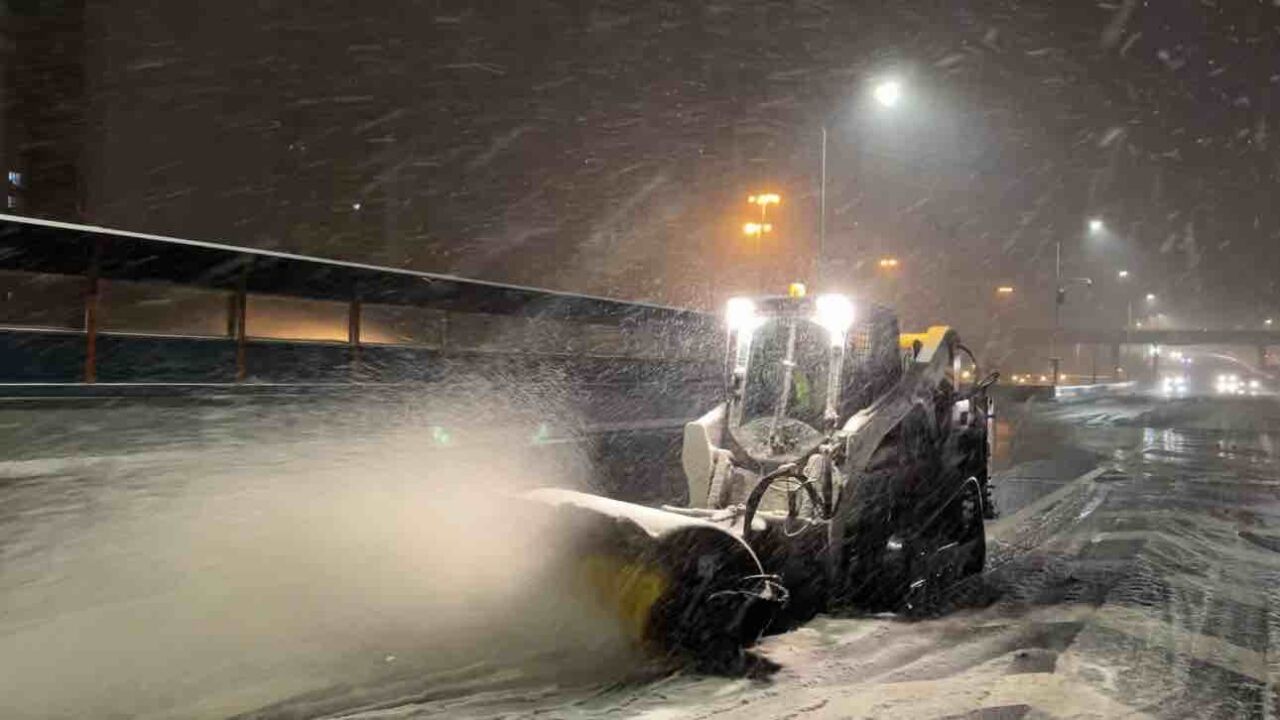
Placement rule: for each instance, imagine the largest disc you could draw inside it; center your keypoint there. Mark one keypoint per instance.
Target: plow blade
(677, 585)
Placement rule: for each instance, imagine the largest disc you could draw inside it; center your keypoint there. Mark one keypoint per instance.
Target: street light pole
(757, 230)
(819, 271)
(1057, 309)
(1123, 277)
(887, 92)
(1059, 296)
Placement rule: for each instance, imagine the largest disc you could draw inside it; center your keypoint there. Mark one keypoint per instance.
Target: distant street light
(1059, 297)
(757, 230)
(1151, 297)
(1005, 290)
(1267, 322)
(764, 199)
(1096, 225)
(1122, 274)
(888, 92)
(888, 263)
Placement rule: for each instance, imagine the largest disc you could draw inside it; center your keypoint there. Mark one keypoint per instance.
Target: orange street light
(756, 230)
(765, 199)
(888, 263)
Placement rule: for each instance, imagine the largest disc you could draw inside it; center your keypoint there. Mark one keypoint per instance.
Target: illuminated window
(401, 325)
(474, 331)
(162, 309)
(285, 318)
(603, 340)
(41, 300)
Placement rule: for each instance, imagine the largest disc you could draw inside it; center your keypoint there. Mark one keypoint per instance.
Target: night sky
(608, 147)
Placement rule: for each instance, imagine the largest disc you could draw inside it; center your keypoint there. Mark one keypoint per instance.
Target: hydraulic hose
(791, 471)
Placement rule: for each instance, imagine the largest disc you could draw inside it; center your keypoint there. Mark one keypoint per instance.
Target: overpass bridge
(89, 314)
(1116, 338)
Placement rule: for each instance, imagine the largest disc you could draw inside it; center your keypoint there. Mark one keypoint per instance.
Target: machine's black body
(850, 460)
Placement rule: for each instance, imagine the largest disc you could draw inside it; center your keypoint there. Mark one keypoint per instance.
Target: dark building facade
(608, 147)
(44, 126)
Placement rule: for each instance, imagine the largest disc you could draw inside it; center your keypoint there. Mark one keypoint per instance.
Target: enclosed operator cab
(851, 457)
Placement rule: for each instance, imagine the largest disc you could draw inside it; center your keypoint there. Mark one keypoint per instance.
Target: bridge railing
(88, 312)
(85, 304)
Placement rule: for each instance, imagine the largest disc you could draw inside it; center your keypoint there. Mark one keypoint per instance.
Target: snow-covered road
(1147, 587)
(272, 571)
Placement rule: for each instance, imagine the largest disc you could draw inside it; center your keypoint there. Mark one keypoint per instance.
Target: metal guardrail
(459, 321)
(199, 328)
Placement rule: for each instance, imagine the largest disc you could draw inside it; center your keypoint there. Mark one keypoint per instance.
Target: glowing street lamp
(757, 230)
(1151, 297)
(764, 199)
(888, 263)
(1096, 225)
(887, 92)
(1267, 322)
(1004, 290)
(1122, 274)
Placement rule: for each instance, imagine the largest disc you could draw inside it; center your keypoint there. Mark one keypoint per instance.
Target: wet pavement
(1134, 572)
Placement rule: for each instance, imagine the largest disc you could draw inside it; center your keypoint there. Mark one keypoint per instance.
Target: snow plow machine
(846, 469)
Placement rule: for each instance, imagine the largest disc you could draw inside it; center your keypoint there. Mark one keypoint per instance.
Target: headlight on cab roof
(835, 313)
(740, 314)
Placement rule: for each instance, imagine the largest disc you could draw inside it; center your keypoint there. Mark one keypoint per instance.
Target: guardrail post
(353, 336)
(91, 294)
(241, 313)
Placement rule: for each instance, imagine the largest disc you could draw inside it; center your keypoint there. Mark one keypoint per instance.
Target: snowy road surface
(1135, 573)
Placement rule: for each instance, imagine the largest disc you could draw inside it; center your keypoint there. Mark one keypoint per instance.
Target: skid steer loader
(845, 468)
